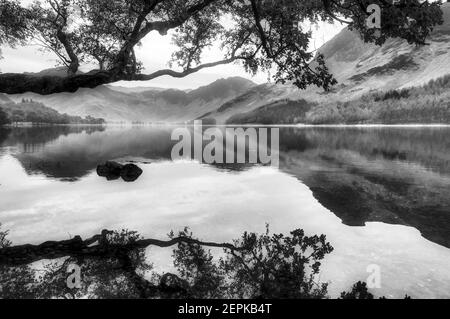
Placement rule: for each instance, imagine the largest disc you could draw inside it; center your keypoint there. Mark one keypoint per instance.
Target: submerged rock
(113, 171)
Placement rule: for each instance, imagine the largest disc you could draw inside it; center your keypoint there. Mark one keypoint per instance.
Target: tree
(53, 26)
(4, 119)
(13, 23)
(259, 34)
(264, 266)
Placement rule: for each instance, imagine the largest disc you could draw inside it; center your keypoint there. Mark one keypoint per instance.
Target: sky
(155, 52)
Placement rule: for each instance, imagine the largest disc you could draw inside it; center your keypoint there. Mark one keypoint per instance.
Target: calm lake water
(381, 195)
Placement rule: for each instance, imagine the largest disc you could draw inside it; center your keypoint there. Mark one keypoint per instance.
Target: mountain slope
(360, 69)
(143, 105)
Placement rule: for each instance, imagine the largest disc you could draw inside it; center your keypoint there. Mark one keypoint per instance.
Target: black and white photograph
(245, 150)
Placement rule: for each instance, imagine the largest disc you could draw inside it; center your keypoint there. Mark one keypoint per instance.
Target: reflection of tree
(114, 265)
(42, 135)
(4, 133)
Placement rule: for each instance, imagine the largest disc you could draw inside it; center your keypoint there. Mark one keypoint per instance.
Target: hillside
(156, 105)
(280, 112)
(361, 67)
(363, 71)
(32, 111)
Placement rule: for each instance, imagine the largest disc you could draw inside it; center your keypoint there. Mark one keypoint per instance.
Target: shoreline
(238, 125)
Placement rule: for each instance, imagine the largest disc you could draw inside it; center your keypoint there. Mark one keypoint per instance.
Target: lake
(380, 194)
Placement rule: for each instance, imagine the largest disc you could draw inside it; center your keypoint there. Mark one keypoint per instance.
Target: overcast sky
(155, 52)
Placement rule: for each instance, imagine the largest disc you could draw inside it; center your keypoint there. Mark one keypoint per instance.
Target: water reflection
(332, 181)
(392, 175)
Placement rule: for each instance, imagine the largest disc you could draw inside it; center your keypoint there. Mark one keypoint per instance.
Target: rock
(113, 171)
(110, 170)
(130, 173)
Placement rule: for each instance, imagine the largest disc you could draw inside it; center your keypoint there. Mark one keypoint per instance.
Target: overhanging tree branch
(96, 246)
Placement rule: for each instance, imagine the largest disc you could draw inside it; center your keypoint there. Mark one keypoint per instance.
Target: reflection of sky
(218, 206)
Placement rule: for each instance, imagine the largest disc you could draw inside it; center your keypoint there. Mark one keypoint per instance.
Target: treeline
(280, 112)
(29, 111)
(427, 104)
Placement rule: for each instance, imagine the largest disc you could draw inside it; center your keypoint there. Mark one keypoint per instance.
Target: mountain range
(361, 69)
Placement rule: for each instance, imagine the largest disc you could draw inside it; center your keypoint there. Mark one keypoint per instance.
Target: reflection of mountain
(392, 176)
(69, 153)
(43, 135)
(398, 176)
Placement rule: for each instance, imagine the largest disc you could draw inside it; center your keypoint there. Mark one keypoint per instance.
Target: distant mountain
(133, 90)
(58, 71)
(156, 105)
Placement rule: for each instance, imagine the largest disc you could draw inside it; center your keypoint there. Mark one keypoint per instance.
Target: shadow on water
(391, 175)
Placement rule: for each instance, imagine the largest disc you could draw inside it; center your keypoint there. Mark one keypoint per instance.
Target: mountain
(156, 105)
(364, 71)
(361, 67)
(58, 71)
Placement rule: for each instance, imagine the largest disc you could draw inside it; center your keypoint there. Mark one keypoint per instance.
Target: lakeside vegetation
(428, 104)
(256, 266)
(29, 111)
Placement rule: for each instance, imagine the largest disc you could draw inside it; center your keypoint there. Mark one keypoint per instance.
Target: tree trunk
(74, 61)
(14, 83)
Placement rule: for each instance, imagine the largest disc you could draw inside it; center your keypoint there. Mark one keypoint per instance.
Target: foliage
(260, 266)
(392, 95)
(261, 35)
(13, 23)
(277, 266)
(4, 242)
(203, 278)
(359, 291)
(268, 266)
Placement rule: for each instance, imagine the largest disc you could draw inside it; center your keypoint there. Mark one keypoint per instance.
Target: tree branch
(16, 83)
(96, 246)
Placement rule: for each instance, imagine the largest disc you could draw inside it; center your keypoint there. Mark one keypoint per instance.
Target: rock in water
(110, 170)
(130, 173)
